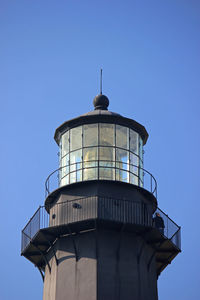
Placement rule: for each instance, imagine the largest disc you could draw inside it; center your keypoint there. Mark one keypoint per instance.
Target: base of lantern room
(102, 188)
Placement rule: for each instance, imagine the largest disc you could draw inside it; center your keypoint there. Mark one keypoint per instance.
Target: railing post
(43, 215)
(30, 229)
(167, 225)
(39, 216)
(47, 218)
(179, 237)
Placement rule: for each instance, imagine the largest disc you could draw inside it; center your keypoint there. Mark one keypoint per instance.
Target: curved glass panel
(65, 144)
(106, 134)
(134, 168)
(76, 138)
(133, 141)
(122, 165)
(141, 173)
(106, 156)
(101, 151)
(64, 172)
(75, 166)
(90, 163)
(90, 135)
(122, 137)
(106, 162)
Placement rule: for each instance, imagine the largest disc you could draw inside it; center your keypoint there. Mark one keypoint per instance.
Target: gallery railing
(110, 209)
(112, 170)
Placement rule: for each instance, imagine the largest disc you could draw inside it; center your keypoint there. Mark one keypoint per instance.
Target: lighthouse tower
(100, 234)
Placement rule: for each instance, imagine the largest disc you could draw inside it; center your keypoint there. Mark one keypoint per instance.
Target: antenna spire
(101, 82)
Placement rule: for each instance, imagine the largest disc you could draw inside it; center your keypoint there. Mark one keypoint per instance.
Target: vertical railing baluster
(39, 217)
(30, 228)
(167, 226)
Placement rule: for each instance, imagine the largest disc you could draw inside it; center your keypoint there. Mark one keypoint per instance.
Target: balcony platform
(38, 247)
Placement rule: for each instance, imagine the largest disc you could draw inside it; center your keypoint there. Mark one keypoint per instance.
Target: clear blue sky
(50, 56)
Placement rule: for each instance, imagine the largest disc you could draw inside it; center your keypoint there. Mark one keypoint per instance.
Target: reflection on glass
(133, 179)
(65, 144)
(76, 138)
(134, 141)
(106, 173)
(122, 156)
(65, 166)
(106, 156)
(90, 157)
(122, 175)
(122, 165)
(133, 169)
(64, 180)
(75, 166)
(64, 171)
(122, 137)
(90, 174)
(141, 172)
(90, 161)
(106, 134)
(141, 148)
(90, 135)
(106, 160)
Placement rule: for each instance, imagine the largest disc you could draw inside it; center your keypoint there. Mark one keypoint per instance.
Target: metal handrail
(152, 178)
(101, 145)
(169, 218)
(116, 210)
(31, 218)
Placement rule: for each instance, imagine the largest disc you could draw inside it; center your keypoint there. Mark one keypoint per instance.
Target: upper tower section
(101, 145)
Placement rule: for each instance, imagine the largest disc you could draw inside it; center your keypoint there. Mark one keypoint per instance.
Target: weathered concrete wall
(111, 265)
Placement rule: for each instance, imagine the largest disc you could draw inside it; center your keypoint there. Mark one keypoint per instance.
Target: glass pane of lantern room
(141, 172)
(141, 148)
(106, 163)
(122, 137)
(122, 165)
(64, 172)
(134, 142)
(106, 134)
(90, 135)
(134, 168)
(76, 138)
(65, 144)
(90, 163)
(106, 156)
(90, 156)
(76, 166)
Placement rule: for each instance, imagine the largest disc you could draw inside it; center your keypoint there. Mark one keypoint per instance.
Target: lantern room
(101, 145)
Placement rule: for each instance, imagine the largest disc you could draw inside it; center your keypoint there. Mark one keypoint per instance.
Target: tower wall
(110, 265)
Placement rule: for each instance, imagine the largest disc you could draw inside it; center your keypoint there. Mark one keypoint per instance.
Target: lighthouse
(100, 234)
